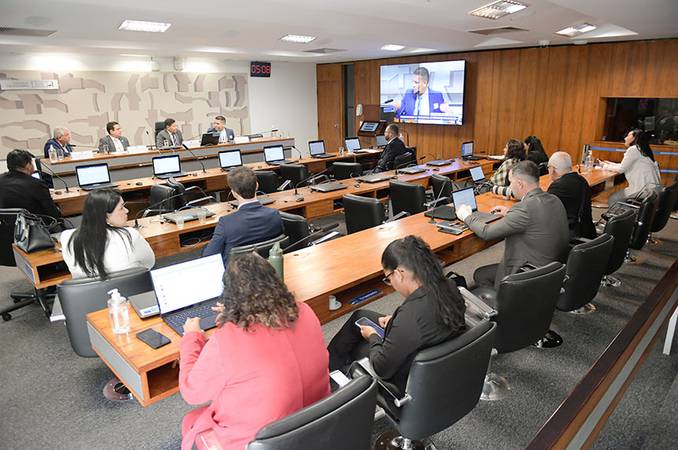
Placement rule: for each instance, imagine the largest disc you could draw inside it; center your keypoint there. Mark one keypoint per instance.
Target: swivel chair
(408, 197)
(262, 248)
(647, 209)
(296, 173)
(302, 234)
(159, 126)
(620, 228)
(361, 213)
(345, 170)
(667, 202)
(160, 196)
(404, 160)
(268, 181)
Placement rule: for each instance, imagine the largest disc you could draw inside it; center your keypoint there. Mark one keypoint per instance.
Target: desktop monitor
(467, 149)
(92, 174)
(166, 164)
(274, 153)
(230, 158)
(316, 147)
(477, 173)
(381, 141)
(465, 197)
(352, 144)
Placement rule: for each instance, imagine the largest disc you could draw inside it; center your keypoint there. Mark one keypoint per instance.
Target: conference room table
(347, 267)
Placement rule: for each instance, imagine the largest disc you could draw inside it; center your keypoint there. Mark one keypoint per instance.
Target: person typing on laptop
(393, 149)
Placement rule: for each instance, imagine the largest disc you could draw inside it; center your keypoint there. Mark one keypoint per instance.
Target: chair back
(525, 305)
(293, 172)
(441, 183)
(361, 213)
(408, 197)
(445, 382)
(160, 196)
(345, 170)
(644, 220)
(341, 421)
(159, 126)
(403, 160)
(585, 268)
(268, 181)
(620, 228)
(82, 296)
(262, 248)
(668, 199)
(543, 168)
(7, 224)
(294, 226)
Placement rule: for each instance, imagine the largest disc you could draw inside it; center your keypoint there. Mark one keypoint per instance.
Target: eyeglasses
(387, 280)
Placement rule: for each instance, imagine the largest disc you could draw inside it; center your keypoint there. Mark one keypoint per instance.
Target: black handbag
(458, 279)
(31, 234)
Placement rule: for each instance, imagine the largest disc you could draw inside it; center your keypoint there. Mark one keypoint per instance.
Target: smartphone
(152, 338)
(365, 322)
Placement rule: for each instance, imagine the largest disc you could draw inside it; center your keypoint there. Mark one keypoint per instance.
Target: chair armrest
(476, 305)
(326, 237)
(386, 387)
(317, 178)
(400, 215)
(285, 185)
(635, 204)
(526, 267)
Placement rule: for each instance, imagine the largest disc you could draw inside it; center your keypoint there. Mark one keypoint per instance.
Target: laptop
(439, 162)
(209, 139)
(229, 159)
(328, 187)
(262, 199)
(189, 289)
(381, 141)
(187, 214)
(93, 176)
(376, 177)
(275, 155)
(467, 152)
(165, 167)
(467, 197)
(477, 174)
(317, 149)
(412, 170)
(352, 145)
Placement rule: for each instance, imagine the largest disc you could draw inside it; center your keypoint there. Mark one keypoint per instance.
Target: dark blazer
(164, 137)
(250, 224)
(537, 157)
(392, 150)
(53, 142)
(574, 191)
(111, 146)
(407, 104)
(415, 325)
(230, 134)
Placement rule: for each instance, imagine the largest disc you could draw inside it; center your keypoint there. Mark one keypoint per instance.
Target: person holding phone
(433, 312)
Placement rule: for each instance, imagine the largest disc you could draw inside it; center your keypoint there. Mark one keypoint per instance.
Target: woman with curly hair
(266, 360)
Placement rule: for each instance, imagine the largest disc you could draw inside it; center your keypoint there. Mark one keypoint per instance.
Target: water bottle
(118, 312)
(53, 157)
(341, 151)
(60, 153)
(275, 258)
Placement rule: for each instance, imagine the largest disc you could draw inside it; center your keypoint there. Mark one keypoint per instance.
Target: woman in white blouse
(638, 166)
(102, 244)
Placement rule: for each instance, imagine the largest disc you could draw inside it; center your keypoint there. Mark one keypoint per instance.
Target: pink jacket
(251, 378)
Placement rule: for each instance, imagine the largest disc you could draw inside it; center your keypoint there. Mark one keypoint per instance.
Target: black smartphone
(152, 338)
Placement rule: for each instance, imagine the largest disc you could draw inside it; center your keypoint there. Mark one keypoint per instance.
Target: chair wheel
(6, 317)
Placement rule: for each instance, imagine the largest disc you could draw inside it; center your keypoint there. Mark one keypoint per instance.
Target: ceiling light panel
(392, 47)
(498, 9)
(576, 30)
(140, 25)
(298, 38)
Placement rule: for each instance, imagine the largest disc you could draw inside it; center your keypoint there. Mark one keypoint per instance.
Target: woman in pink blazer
(266, 360)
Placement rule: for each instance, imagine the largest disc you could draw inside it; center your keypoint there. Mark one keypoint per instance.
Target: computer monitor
(172, 290)
(166, 164)
(230, 158)
(477, 173)
(467, 149)
(352, 144)
(316, 147)
(274, 153)
(92, 174)
(381, 141)
(465, 197)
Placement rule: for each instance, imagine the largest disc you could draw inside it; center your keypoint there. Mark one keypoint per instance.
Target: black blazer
(68, 149)
(415, 325)
(574, 191)
(392, 150)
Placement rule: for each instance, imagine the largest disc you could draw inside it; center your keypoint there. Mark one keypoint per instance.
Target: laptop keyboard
(204, 311)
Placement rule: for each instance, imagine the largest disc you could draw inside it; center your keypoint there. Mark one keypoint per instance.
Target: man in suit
(393, 149)
(535, 228)
(219, 127)
(170, 136)
(574, 191)
(251, 223)
(61, 141)
(420, 100)
(114, 141)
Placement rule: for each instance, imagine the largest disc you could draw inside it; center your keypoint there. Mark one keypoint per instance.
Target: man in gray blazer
(170, 136)
(114, 141)
(535, 228)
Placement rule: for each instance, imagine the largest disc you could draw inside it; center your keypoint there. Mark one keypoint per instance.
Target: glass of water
(179, 221)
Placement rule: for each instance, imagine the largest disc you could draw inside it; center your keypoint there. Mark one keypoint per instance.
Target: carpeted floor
(51, 398)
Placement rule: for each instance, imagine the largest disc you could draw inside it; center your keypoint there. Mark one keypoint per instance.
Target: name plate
(28, 85)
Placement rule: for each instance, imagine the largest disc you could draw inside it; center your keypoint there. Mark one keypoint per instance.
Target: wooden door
(331, 105)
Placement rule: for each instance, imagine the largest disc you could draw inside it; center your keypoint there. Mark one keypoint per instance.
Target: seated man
(61, 141)
(535, 228)
(170, 136)
(219, 127)
(114, 141)
(251, 223)
(393, 149)
(574, 191)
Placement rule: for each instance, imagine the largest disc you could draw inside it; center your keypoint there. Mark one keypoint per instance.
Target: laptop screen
(166, 164)
(174, 292)
(352, 144)
(381, 141)
(274, 153)
(465, 197)
(316, 147)
(36, 175)
(467, 149)
(93, 174)
(477, 173)
(230, 158)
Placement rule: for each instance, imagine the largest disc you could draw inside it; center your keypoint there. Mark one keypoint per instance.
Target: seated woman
(535, 151)
(514, 152)
(102, 244)
(433, 312)
(266, 360)
(638, 166)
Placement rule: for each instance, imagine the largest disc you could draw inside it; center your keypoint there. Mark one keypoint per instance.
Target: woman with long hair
(638, 166)
(102, 244)
(514, 152)
(266, 359)
(535, 150)
(433, 312)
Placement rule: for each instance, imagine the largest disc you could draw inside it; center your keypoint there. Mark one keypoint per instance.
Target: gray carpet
(51, 398)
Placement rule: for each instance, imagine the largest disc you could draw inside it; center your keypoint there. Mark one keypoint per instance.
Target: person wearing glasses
(433, 312)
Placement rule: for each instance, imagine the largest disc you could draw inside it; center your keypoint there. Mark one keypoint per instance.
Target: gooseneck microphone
(292, 147)
(312, 177)
(42, 166)
(196, 157)
(435, 202)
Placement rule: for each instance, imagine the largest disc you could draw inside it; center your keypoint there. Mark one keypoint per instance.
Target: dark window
(656, 115)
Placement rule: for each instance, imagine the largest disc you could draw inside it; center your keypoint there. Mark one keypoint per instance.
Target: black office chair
(341, 421)
(408, 197)
(345, 170)
(441, 188)
(159, 126)
(543, 168)
(82, 296)
(268, 181)
(667, 202)
(404, 160)
(262, 248)
(361, 213)
(160, 197)
(443, 386)
(296, 173)
(620, 228)
(647, 210)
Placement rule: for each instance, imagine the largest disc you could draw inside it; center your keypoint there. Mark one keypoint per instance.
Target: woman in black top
(433, 312)
(535, 150)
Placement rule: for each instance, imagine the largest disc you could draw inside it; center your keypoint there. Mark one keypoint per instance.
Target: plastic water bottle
(275, 258)
(118, 312)
(53, 157)
(60, 153)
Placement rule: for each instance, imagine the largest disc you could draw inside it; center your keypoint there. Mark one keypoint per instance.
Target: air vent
(9, 31)
(325, 51)
(500, 30)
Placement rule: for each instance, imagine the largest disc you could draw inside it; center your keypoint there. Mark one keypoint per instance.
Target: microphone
(408, 164)
(196, 201)
(196, 157)
(390, 100)
(261, 133)
(152, 145)
(312, 177)
(150, 208)
(435, 202)
(42, 166)
(297, 150)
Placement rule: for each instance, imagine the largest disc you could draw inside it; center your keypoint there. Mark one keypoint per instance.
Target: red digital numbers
(260, 69)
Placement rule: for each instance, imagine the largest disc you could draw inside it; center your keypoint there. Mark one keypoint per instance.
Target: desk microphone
(145, 211)
(196, 157)
(408, 164)
(390, 100)
(152, 145)
(435, 202)
(312, 177)
(42, 166)
(292, 147)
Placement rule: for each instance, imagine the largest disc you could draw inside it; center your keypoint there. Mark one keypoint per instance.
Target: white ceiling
(251, 29)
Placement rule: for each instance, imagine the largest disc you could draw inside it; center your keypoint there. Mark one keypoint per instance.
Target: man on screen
(420, 100)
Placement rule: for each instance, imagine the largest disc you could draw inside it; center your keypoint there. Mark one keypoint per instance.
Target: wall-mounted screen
(424, 92)
(658, 116)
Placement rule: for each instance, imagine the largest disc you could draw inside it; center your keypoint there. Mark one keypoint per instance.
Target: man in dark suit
(61, 142)
(393, 149)
(574, 191)
(114, 141)
(251, 223)
(420, 100)
(170, 136)
(219, 127)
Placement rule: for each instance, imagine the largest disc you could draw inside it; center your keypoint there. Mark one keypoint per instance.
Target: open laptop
(317, 149)
(93, 176)
(477, 174)
(467, 197)
(228, 159)
(328, 187)
(165, 167)
(352, 145)
(381, 141)
(189, 289)
(376, 177)
(275, 155)
(467, 152)
(439, 162)
(209, 139)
